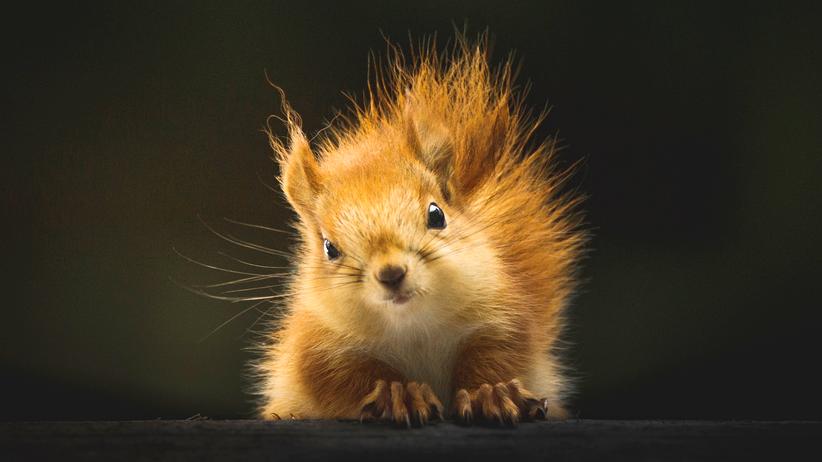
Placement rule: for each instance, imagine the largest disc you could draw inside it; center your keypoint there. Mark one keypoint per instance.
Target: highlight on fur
(473, 329)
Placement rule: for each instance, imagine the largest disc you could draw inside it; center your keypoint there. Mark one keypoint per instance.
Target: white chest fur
(424, 357)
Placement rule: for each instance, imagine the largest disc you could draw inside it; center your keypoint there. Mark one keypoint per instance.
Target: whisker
(240, 281)
(266, 185)
(281, 285)
(204, 293)
(228, 321)
(326, 276)
(251, 289)
(256, 265)
(217, 268)
(263, 314)
(343, 265)
(252, 225)
(243, 243)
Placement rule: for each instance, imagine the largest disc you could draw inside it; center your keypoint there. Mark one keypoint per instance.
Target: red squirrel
(436, 255)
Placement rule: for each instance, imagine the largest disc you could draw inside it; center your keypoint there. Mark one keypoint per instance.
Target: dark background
(697, 123)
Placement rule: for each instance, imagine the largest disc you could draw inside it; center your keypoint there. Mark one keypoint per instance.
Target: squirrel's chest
(426, 359)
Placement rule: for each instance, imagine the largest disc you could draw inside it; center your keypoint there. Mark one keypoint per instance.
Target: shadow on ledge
(326, 440)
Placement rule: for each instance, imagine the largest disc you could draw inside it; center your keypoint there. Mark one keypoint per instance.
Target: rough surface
(329, 440)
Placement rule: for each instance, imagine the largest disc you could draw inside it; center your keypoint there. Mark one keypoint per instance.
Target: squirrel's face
(377, 229)
(384, 246)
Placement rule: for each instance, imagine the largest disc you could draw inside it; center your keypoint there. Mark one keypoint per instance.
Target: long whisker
(252, 225)
(243, 290)
(266, 185)
(284, 284)
(242, 243)
(239, 281)
(217, 268)
(263, 314)
(340, 274)
(343, 265)
(234, 299)
(251, 289)
(229, 320)
(255, 265)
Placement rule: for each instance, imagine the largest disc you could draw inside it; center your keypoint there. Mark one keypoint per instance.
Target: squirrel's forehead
(373, 202)
(379, 198)
(390, 184)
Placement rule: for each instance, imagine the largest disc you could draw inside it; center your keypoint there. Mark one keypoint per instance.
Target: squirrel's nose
(391, 276)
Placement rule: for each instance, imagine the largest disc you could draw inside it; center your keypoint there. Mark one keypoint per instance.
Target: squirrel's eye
(330, 251)
(436, 217)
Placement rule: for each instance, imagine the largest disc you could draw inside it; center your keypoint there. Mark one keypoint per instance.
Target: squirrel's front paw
(504, 403)
(402, 403)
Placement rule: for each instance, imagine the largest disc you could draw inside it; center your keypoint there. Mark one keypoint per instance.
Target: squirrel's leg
(488, 386)
(347, 384)
(310, 374)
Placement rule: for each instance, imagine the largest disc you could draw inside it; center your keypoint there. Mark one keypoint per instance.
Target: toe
(399, 409)
(373, 406)
(435, 407)
(509, 410)
(416, 403)
(530, 407)
(488, 404)
(462, 406)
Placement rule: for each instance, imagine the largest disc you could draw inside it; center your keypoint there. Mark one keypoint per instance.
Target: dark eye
(330, 251)
(436, 217)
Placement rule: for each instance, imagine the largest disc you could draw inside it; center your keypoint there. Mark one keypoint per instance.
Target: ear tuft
(299, 170)
(430, 139)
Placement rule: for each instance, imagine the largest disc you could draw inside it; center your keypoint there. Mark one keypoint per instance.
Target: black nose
(391, 276)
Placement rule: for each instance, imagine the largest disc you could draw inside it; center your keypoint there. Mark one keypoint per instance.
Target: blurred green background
(698, 124)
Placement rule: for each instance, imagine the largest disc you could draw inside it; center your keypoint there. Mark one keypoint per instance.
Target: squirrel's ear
(299, 171)
(430, 140)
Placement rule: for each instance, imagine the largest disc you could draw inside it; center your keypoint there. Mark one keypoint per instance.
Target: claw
(366, 415)
(405, 405)
(422, 417)
(435, 411)
(403, 420)
(467, 417)
(506, 403)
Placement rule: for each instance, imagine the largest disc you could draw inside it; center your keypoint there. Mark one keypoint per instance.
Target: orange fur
(486, 294)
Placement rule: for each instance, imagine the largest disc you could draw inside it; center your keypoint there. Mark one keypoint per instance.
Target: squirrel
(437, 253)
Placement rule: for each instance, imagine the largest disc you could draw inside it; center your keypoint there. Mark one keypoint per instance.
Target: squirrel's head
(387, 242)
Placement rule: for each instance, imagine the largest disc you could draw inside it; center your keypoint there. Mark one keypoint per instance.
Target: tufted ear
(431, 141)
(299, 170)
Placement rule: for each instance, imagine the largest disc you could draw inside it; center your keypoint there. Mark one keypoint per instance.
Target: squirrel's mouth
(402, 295)
(400, 299)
